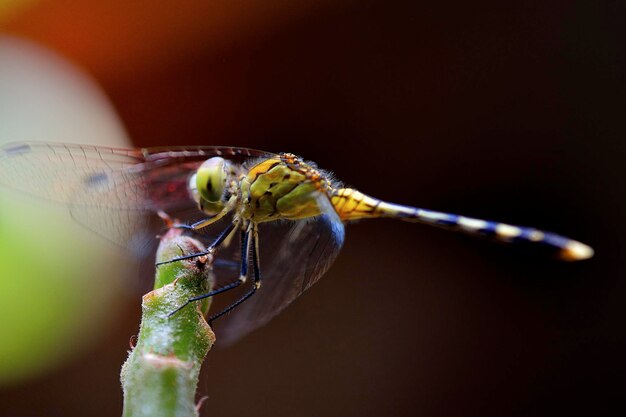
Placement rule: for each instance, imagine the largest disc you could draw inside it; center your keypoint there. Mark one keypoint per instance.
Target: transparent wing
(294, 255)
(112, 191)
(57, 171)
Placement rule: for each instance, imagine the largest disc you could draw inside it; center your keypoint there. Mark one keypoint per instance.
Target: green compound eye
(211, 179)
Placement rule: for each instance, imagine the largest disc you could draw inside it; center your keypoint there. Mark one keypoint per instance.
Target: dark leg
(171, 223)
(218, 241)
(204, 222)
(192, 227)
(257, 278)
(225, 288)
(245, 249)
(245, 253)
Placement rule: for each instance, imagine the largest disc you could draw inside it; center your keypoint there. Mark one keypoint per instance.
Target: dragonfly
(287, 212)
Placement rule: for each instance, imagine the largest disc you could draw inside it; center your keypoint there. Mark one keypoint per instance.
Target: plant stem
(160, 376)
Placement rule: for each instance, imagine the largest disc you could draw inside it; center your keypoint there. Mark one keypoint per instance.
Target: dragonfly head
(208, 184)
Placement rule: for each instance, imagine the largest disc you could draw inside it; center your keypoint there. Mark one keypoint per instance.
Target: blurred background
(513, 112)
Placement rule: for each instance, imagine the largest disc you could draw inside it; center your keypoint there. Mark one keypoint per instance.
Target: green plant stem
(160, 376)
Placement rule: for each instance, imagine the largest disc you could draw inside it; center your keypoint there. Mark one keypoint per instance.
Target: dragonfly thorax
(283, 187)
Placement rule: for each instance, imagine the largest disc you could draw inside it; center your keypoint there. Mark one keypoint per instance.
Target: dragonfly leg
(171, 223)
(245, 250)
(218, 241)
(225, 288)
(210, 220)
(257, 278)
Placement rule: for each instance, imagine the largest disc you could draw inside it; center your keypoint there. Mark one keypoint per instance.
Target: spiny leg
(243, 275)
(171, 223)
(194, 227)
(218, 241)
(204, 222)
(257, 277)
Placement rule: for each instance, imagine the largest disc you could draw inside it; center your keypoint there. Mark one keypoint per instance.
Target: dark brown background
(504, 111)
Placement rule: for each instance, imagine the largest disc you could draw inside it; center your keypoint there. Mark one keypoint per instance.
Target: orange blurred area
(118, 39)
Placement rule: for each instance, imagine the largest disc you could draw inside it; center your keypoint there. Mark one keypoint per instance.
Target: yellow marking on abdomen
(351, 204)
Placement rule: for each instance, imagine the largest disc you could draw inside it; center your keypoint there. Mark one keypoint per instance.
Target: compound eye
(211, 179)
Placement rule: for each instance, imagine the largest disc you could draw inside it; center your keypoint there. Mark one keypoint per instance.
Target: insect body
(292, 208)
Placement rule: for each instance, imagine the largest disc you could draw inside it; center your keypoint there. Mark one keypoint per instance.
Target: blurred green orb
(54, 296)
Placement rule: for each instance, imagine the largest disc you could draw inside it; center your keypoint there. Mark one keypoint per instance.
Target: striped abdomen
(351, 204)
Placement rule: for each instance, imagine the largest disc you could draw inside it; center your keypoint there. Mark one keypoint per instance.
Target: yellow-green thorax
(282, 187)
